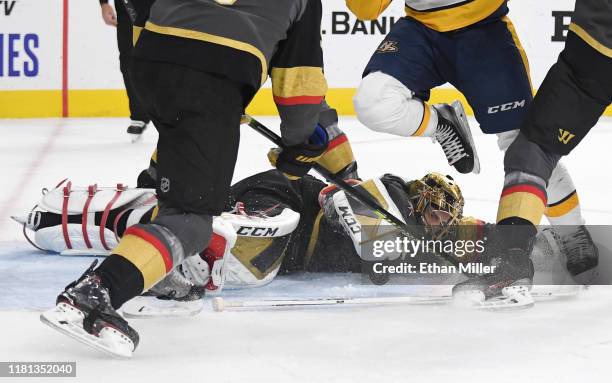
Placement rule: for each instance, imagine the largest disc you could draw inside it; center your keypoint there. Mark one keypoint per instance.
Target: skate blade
(68, 321)
(465, 127)
(512, 299)
(506, 304)
(550, 292)
(150, 307)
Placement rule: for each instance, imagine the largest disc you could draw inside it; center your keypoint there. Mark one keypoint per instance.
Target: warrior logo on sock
(565, 136)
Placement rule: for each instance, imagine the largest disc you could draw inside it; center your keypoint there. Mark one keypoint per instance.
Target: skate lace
(451, 143)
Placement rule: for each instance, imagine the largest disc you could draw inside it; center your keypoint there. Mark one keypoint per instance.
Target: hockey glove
(296, 160)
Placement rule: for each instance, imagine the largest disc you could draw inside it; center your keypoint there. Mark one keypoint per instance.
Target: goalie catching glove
(296, 160)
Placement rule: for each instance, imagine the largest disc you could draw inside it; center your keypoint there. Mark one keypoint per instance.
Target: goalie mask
(438, 202)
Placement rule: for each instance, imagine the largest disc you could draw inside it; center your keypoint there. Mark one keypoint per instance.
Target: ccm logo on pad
(257, 231)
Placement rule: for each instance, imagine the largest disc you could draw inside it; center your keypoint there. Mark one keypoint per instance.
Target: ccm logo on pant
(257, 231)
(505, 107)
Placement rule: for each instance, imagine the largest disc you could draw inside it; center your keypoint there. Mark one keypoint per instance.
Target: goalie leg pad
(87, 236)
(237, 240)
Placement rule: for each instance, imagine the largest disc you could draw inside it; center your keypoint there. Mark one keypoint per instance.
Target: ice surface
(558, 341)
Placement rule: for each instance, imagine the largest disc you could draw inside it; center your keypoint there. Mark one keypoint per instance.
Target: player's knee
(384, 104)
(526, 157)
(504, 139)
(192, 230)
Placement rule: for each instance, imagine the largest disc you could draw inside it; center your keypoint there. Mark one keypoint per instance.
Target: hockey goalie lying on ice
(274, 226)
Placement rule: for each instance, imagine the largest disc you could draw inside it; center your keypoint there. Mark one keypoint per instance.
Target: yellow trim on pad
(114, 102)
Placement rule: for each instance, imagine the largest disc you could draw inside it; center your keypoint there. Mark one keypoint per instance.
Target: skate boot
(454, 135)
(173, 296)
(83, 311)
(136, 129)
(506, 288)
(581, 253)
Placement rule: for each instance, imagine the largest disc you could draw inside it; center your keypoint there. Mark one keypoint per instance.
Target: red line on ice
(20, 185)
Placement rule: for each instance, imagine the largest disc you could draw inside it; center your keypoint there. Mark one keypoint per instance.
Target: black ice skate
(506, 288)
(581, 253)
(83, 311)
(136, 129)
(454, 135)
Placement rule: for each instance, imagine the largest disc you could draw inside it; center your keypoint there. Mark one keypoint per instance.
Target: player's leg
(573, 96)
(138, 115)
(504, 117)
(391, 97)
(338, 158)
(563, 206)
(492, 71)
(199, 131)
(563, 209)
(198, 118)
(503, 107)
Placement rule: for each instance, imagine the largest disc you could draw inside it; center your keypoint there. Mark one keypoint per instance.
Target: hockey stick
(348, 189)
(343, 185)
(219, 304)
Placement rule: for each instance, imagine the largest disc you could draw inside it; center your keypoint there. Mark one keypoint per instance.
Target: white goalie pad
(235, 274)
(263, 226)
(257, 230)
(87, 238)
(53, 200)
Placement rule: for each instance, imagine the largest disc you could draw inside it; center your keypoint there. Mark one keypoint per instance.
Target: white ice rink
(557, 341)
